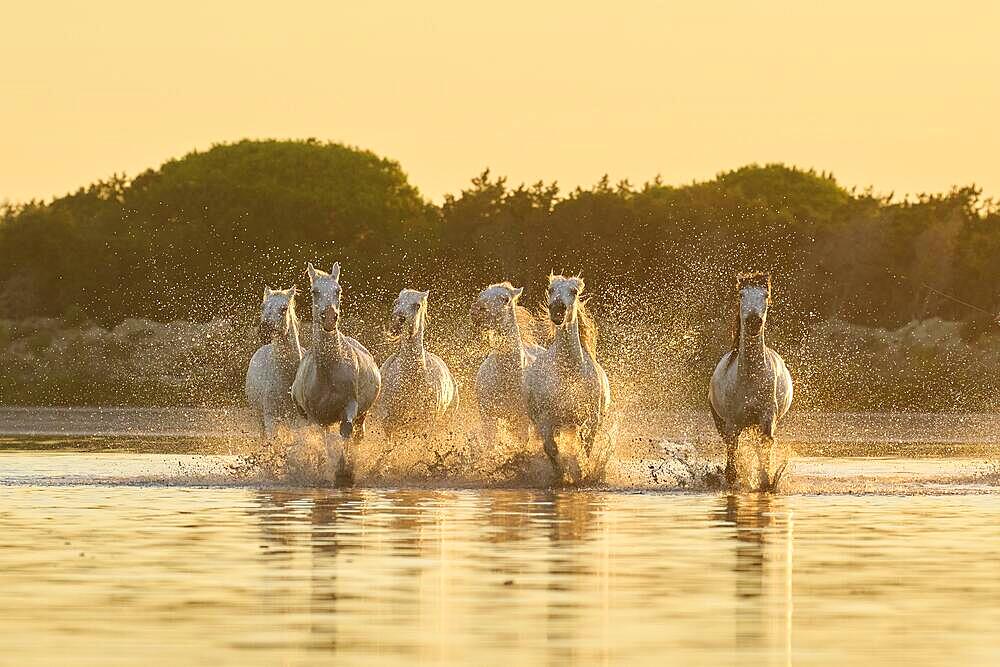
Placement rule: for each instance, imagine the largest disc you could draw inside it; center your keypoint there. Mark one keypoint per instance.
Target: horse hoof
(346, 429)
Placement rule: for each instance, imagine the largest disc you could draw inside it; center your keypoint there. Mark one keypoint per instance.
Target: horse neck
(288, 345)
(411, 345)
(751, 351)
(329, 345)
(511, 348)
(569, 350)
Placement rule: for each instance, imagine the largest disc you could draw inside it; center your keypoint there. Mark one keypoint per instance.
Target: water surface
(122, 555)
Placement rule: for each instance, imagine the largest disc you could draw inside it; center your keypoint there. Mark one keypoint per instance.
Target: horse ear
(267, 292)
(295, 292)
(518, 291)
(424, 295)
(335, 271)
(311, 270)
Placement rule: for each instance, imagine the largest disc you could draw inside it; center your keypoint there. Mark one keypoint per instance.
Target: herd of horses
(557, 390)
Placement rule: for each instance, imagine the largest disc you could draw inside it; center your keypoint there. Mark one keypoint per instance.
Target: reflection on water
(762, 530)
(165, 575)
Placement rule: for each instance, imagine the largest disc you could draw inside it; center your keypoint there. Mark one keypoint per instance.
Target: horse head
(277, 313)
(409, 313)
(326, 295)
(564, 298)
(495, 308)
(755, 297)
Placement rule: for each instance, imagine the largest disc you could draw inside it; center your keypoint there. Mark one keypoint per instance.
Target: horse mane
(395, 339)
(759, 279)
(588, 327)
(528, 325)
(588, 331)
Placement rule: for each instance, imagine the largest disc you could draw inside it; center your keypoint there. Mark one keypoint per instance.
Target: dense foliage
(197, 238)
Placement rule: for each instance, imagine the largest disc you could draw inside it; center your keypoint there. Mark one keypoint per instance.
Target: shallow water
(124, 555)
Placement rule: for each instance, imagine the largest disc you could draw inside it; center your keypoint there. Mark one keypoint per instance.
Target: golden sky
(900, 94)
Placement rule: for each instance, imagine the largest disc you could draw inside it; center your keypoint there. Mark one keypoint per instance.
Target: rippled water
(125, 557)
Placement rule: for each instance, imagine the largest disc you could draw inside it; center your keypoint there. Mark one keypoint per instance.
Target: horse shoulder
(487, 373)
(258, 362)
(444, 383)
(305, 380)
(439, 367)
(723, 380)
(605, 387)
(783, 382)
(369, 381)
(253, 385)
(726, 364)
(358, 347)
(389, 368)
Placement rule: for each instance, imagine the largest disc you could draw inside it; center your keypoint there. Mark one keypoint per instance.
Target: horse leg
(587, 435)
(263, 430)
(522, 431)
(268, 427)
(491, 430)
(552, 451)
(732, 438)
(359, 427)
(347, 423)
(780, 471)
(765, 453)
(335, 452)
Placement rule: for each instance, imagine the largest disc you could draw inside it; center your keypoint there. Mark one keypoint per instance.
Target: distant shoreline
(824, 433)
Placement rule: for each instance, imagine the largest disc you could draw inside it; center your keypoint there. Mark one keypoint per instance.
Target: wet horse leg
(731, 437)
(552, 451)
(347, 423)
(765, 454)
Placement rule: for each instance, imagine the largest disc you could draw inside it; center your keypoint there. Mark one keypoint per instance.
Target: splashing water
(664, 451)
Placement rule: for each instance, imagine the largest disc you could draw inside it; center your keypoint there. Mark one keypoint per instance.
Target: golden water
(121, 559)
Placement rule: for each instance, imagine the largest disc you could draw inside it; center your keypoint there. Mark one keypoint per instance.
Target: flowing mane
(588, 327)
(753, 279)
(528, 325)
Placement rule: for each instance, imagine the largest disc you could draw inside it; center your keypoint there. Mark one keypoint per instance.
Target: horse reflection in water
(378, 570)
(762, 529)
(297, 523)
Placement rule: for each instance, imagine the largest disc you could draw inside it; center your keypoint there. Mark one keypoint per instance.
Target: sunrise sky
(898, 94)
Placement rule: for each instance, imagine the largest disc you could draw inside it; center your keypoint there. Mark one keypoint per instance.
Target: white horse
(500, 380)
(418, 392)
(751, 387)
(272, 367)
(565, 389)
(337, 380)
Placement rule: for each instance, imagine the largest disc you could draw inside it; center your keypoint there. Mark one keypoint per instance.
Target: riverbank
(927, 366)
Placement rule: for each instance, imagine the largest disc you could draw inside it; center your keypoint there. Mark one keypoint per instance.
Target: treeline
(197, 238)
